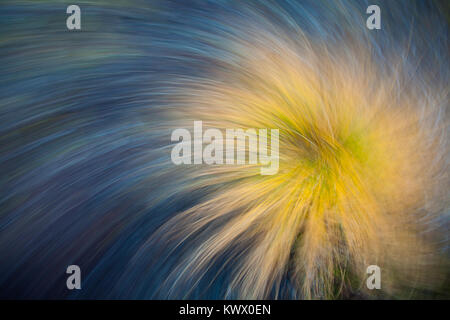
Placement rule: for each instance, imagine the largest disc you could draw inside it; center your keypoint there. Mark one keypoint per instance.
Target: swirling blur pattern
(87, 179)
